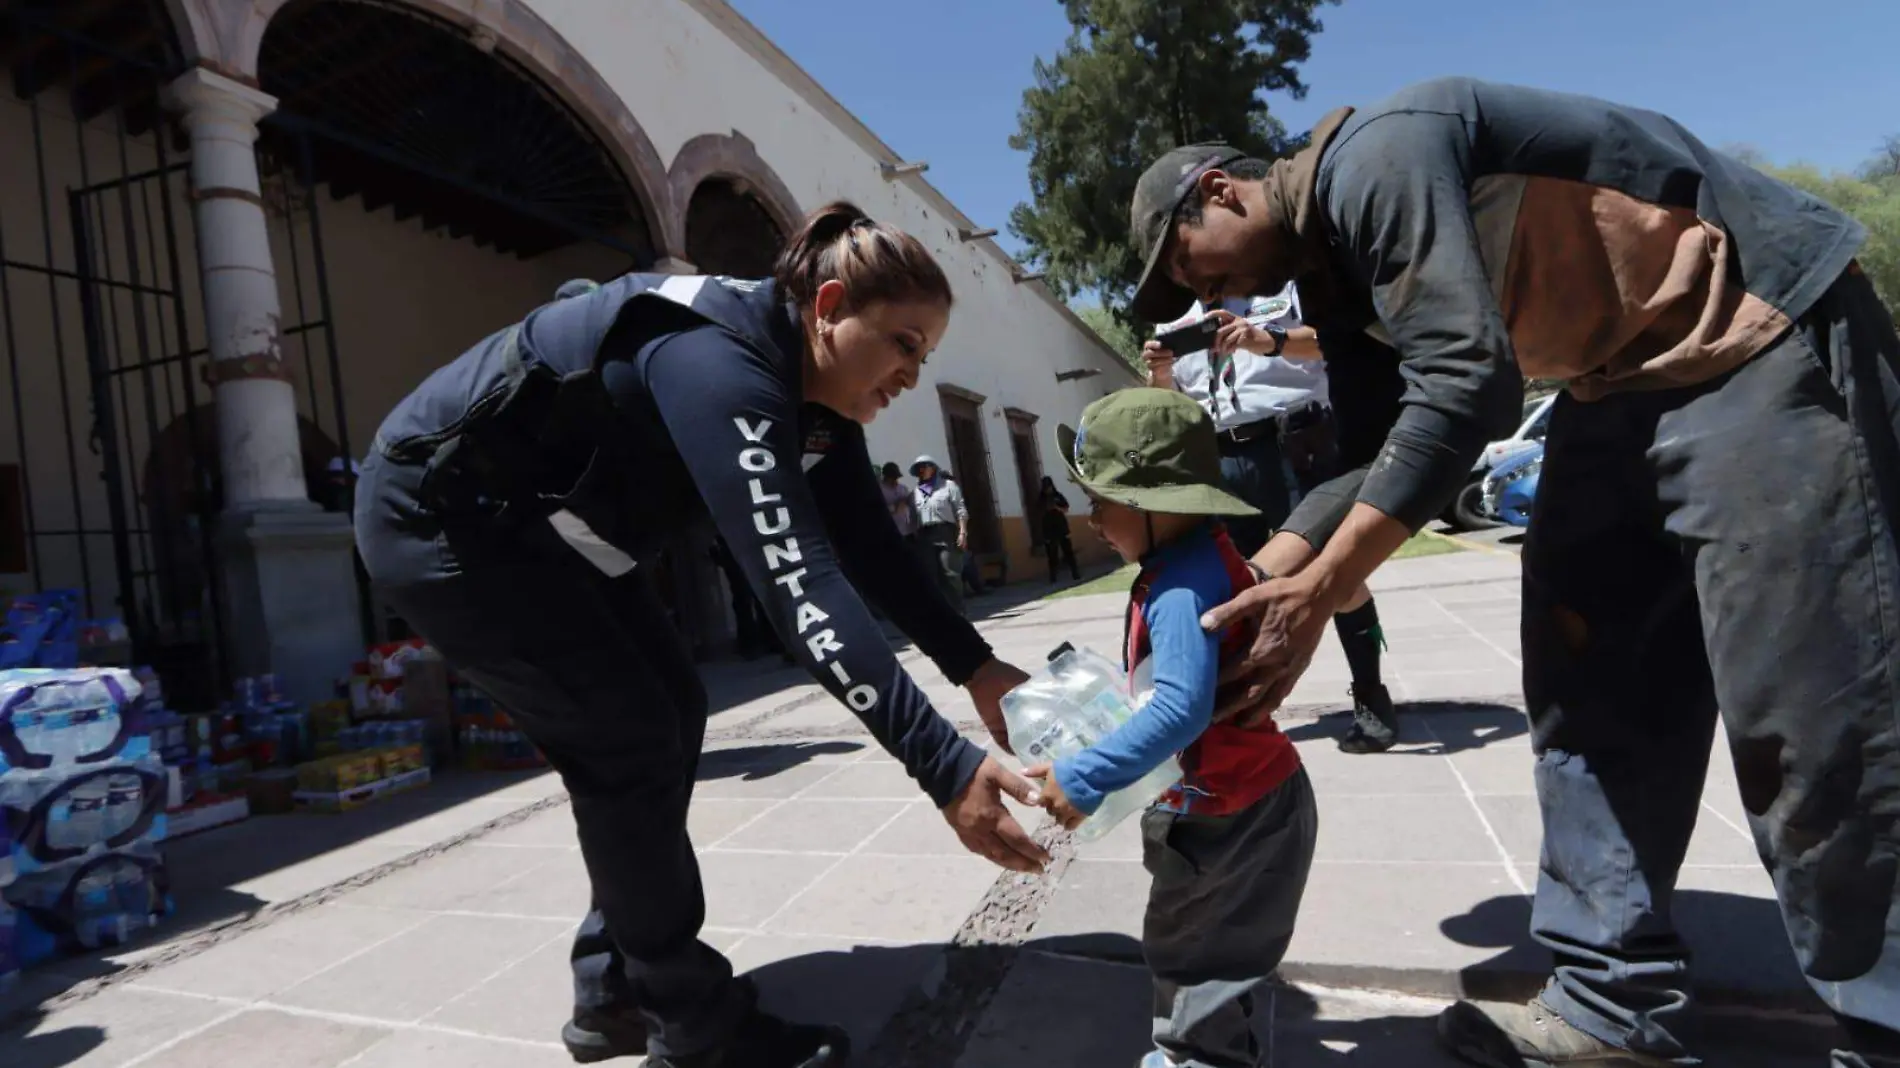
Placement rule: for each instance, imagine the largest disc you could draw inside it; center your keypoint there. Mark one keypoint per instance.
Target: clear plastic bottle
(1073, 702)
(85, 820)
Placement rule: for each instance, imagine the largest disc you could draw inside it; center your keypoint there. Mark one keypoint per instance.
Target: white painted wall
(681, 76)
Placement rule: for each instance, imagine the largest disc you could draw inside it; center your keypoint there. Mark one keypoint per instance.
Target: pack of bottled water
(82, 810)
(1074, 701)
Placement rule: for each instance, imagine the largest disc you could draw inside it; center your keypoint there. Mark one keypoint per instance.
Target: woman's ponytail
(874, 262)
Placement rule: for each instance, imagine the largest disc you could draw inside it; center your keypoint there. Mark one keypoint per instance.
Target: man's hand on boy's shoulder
(1054, 800)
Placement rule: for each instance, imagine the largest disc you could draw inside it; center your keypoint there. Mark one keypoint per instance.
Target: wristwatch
(1279, 339)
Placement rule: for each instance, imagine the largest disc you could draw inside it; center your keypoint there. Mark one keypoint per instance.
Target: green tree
(1120, 336)
(1138, 77)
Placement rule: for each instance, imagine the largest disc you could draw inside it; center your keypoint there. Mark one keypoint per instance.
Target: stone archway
(237, 27)
(733, 158)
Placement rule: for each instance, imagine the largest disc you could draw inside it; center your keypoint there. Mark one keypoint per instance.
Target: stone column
(286, 581)
(257, 405)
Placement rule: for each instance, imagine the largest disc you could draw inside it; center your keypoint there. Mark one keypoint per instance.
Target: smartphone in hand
(1192, 338)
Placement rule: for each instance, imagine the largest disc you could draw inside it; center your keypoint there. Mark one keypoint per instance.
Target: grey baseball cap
(1163, 188)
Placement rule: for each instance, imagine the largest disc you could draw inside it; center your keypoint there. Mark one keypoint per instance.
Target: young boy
(1230, 846)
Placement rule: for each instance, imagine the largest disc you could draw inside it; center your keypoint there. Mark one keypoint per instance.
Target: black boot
(1375, 723)
(595, 1035)
(765, 1041)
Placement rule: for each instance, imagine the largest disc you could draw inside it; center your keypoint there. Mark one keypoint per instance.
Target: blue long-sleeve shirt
(1192, 578)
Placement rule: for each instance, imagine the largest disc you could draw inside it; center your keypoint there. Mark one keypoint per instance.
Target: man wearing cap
(1689, 552)
(1263, 381)
(943, 526)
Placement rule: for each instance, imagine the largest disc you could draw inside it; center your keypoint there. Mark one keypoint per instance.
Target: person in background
(943, 526)
(897, 497)
(1230, 846)
(1265, 385)
(1057, 544)
(756, 636)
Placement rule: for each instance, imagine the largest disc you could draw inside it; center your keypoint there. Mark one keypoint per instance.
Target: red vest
(1229, 767)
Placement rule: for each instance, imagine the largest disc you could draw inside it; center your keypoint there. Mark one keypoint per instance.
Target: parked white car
(1467, 511)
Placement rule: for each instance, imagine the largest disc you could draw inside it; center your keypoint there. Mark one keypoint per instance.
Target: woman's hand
(984, 825)
(986, 689)
(1054, 801)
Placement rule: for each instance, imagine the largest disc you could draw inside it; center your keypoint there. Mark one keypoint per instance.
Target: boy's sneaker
(1528, 1036)
(765, 1041)
(1375, 723)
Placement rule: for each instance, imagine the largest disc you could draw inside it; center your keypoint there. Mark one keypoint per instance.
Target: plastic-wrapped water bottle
(125, 797)
(1073, 702)
(85, 820)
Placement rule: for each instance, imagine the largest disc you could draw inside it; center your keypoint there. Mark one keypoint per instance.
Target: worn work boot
(1375, 723)
(595, 1035)
(765, 1041)
(1528, 1036)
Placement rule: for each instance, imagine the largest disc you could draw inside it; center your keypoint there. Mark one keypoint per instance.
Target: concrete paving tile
(881, 780)
(1315, 1026)
(529, 1001)
(824, 714)
(324, 870)
(276, 957)
(282, 1039)
(1442, 917)
(107, 1030)
(555, 890)
(1518, 823)
(1337, 774)
(911, 899)
(1056, 1012)
(1713, 907)
(1426, 827)
(451, 879)
(709, 819)
(742, 889)
(1096, 911)
(758, 782)
(922, 831)
(527, 786)
(435, 1049)
(1496, 769)
(804, 825)
(448, 823)
(1448, 685)
(417, 972)
(552, 828)
(835, 980)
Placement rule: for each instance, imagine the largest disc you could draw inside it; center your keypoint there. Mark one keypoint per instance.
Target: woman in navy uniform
(511, 506)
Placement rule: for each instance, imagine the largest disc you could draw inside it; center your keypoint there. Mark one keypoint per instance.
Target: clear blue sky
(1815, 81)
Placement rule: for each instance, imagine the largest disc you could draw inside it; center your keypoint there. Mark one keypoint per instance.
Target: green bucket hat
(1151, 449)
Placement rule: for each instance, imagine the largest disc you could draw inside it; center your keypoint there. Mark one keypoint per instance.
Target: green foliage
(1120, 336)
(1136, 78)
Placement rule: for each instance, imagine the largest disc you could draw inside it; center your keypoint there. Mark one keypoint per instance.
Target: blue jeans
(1731, 547)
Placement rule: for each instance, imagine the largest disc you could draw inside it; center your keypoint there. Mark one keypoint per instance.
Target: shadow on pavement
(205, 870)
(1739, 958)
(63, 1046)
(1431, 728)
(750, 762)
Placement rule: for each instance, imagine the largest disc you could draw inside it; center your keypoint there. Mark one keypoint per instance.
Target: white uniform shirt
(940, 504)
(1250, 386)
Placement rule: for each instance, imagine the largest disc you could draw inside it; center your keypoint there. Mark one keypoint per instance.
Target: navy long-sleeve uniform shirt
(703, 414)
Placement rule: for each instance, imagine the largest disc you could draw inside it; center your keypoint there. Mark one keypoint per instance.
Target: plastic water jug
(1077, 699)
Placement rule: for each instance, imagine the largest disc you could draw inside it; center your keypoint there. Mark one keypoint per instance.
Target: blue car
(1511, 486)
